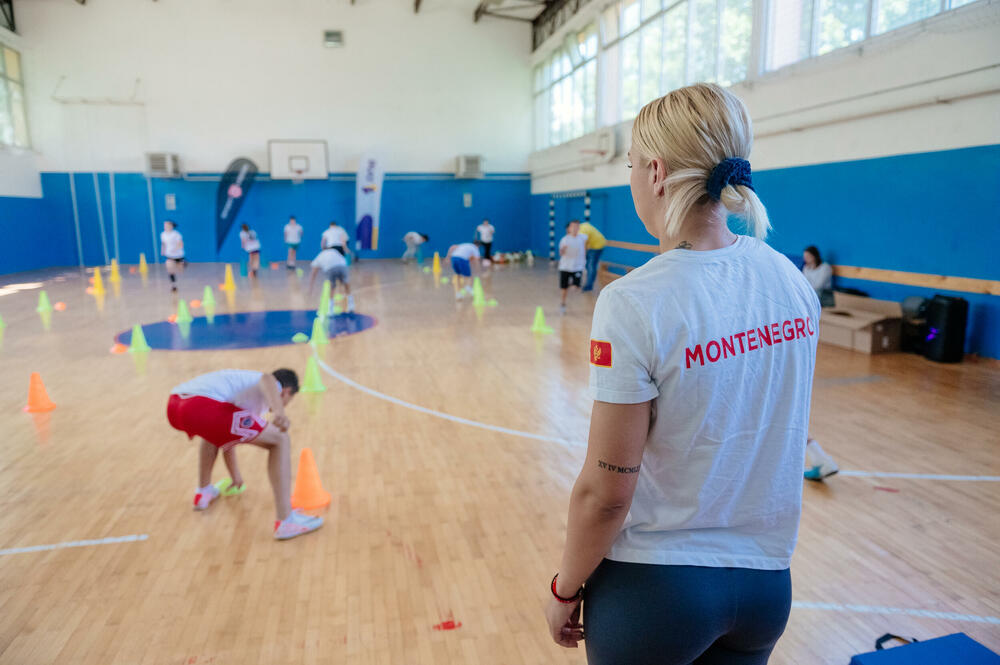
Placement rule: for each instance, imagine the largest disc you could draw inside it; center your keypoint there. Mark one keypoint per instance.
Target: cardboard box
(862, 324)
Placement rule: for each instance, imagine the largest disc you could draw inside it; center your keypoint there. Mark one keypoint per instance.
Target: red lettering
(696, 355)
(764, 335)
(740, 337)
(788, 331)
(800, 328)
(731, 348)
(775, 334)
(809, 326)
(750, 341)
(708, 351)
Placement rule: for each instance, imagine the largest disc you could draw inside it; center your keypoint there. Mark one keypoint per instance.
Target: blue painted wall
(936, 213)
(40, 233)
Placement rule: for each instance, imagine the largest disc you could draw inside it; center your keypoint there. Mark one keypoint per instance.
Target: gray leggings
(644, 614)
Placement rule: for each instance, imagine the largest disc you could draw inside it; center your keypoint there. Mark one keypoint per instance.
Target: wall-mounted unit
(470, 166)
(333, 38)
(162, 165)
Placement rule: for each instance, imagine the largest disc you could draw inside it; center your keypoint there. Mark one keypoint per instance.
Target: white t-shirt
(820, 277)
(328, 259)
(335, 236)
(466, 251)
(486, 232)
(575, 257)
(236, 386)
(413, 238)
(293, 233)
(249, 241)
(724, 343)
(173, 244)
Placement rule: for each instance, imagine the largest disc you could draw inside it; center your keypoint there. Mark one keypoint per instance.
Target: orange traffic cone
(309, 493)
(38, 399)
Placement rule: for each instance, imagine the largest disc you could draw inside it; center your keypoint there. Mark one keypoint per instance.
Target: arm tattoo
(684, 245)
(618, 469)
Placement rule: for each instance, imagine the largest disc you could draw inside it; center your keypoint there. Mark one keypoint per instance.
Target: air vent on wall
(162, 165)
(333, 38)
(470, 166)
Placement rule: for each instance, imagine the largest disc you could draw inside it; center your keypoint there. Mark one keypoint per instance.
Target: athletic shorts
(339, 248)
(220, 423)
(292, 245)
(566, 278)
(338, 274)
(461, 266)
(179, 260)
(256, 251)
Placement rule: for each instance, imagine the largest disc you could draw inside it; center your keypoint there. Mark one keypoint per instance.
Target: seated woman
(818, 274)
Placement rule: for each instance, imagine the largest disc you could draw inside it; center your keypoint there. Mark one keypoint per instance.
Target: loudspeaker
(946, 318)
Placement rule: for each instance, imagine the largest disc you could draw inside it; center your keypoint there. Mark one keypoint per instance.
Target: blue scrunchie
(731, 171)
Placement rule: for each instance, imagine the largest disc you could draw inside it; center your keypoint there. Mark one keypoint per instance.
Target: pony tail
(744, 202)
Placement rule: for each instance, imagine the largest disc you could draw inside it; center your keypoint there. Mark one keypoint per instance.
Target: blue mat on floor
(957, 649)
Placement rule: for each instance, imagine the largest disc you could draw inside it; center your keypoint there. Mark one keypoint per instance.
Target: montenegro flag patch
(600, 353)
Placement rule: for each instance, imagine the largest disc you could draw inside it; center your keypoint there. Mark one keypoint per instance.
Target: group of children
(334, 238)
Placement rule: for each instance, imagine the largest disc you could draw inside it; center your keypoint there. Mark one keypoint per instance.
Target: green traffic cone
(208, 297)
(324, 301)
(539, 325)
(318, 332)
(312, 382)
(43, 303)
(183, 314)
(478, 298)
(139, 343)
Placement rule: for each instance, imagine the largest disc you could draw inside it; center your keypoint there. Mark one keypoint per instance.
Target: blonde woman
(684, 517)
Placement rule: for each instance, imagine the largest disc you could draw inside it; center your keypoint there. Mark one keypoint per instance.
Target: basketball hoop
(297, 178)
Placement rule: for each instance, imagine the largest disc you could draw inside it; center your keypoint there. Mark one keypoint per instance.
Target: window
(565, 90)
(799, 29)
(13, 119)
(894, 14)
(659, 45)
(642, 49)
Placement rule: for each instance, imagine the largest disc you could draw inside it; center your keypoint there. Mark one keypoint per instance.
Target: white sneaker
(562, 309)
(296, 524)
(820, 465)
(204, 497)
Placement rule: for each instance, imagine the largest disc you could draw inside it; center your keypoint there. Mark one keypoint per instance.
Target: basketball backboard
(300, 159)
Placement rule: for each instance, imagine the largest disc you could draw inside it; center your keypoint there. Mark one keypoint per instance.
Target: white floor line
(918, 476)
(446, 416)
(868, 609)
(576, 444)
(75, 543)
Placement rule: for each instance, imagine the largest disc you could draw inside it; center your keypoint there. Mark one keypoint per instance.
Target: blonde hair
(692, 130)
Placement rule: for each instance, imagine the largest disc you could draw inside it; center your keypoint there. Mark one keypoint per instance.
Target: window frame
(8, 83)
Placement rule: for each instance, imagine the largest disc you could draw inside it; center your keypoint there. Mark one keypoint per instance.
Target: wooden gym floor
(434, 523)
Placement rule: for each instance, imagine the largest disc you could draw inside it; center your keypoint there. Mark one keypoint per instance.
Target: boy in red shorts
(227, 407)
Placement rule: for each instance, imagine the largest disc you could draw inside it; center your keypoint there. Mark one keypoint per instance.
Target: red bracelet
(566, 601)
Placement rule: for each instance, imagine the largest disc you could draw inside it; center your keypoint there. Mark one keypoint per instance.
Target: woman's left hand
(564, 623)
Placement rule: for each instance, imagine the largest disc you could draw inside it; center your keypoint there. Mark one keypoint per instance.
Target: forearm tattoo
(618, 469)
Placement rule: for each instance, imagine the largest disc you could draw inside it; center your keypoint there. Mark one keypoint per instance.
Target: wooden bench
(608, 272)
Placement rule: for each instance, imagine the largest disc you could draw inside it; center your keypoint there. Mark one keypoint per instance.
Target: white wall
(218, 78)
(913, 90)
